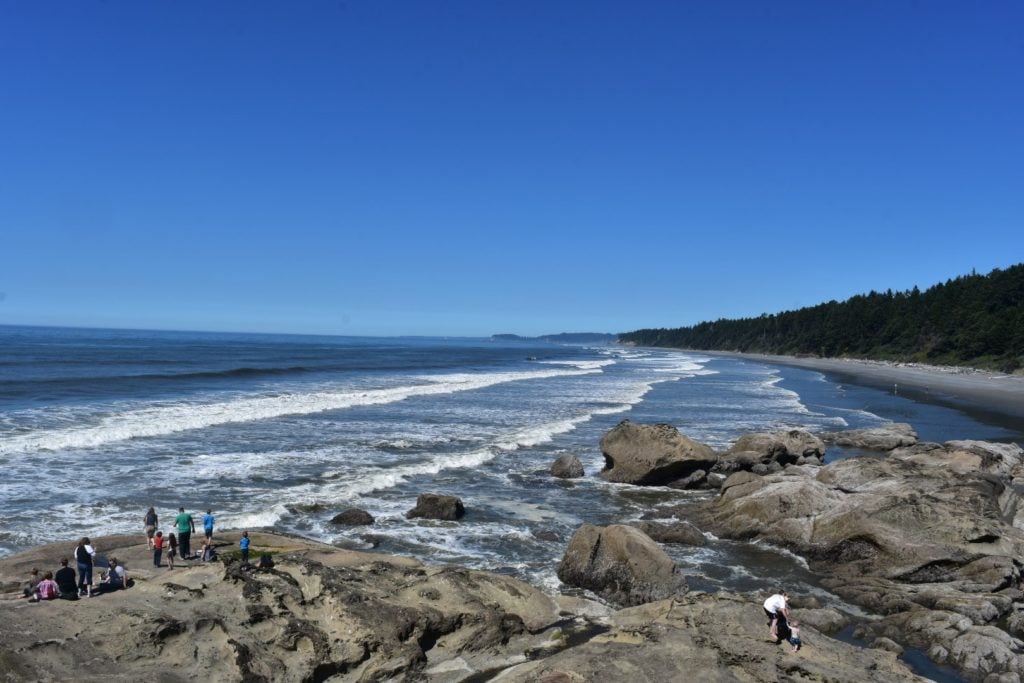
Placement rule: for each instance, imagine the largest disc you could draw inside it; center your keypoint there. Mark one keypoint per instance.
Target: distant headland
(563, 338)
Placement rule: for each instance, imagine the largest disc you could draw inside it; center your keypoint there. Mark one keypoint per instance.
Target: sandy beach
(962, 387)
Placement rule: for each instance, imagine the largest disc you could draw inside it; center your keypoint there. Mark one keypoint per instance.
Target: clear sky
(468, 168)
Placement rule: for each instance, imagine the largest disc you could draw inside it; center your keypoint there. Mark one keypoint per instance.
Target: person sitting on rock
(47, 589)
(115, 579)
(777, 609)
(794, 636)
(67, 581)
(32, 586)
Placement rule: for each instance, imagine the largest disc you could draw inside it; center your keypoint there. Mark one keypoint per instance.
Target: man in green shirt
(186, 526)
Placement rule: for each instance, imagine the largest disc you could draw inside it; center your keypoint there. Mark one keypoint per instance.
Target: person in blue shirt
(243, 543)
(208, 524)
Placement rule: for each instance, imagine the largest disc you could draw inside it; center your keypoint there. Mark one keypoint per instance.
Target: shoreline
(961, 388)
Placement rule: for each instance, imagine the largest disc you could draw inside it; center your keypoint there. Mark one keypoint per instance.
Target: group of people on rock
(180, 545)
(780, 628)
(65, 584)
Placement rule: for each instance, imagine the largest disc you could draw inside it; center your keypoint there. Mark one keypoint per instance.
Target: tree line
(974, 320)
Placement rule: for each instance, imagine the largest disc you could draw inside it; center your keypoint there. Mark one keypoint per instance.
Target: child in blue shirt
(243, 543)
(208, 524)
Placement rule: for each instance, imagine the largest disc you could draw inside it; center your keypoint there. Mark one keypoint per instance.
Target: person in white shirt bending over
(777, 609)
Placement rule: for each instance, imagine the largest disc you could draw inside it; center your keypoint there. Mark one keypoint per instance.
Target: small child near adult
(209, 554)
(243, 543)
(172, 550)
(794, 635)
(158, 548)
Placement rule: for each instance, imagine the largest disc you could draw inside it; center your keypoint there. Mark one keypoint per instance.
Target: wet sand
(992, 392)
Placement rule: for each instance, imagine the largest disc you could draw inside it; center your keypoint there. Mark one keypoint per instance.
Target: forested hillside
(975, 320)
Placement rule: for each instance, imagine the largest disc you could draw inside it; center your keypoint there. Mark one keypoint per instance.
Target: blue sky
(469, 168)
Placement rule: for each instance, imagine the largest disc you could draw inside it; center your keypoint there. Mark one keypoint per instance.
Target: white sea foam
(160, 420)
(782, 551)
(581, 364)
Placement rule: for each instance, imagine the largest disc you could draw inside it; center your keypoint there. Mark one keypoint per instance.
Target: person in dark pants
(84, 554)
(158, 548)
(186, 527)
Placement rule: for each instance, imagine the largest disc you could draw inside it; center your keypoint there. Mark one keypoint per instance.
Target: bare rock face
(652, 454)
(435, 506)
(567, 466)
(708, 638)
(784, 448)
(884, 438)
(353, 517)
(620, 563)
(926, 536)
(680, 532)
(320, 614)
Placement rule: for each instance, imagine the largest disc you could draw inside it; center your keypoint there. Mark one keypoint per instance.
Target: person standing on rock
(158, 548)
(794, 636)
(243, 544)
(172, 550)
(149, 523)
(777, 609)
(84, 555)
(186, 527)
(208, 525)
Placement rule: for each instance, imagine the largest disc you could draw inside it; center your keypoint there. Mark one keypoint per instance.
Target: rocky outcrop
(434, 506)
(884, 438)
(772, 451)
(353, 517)
(567, 466)
(321, 613)
(620, 563)
(1001, 459)
(922, 534)
(652, 454)
(703, 637)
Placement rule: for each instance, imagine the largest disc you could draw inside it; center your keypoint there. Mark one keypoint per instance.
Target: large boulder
(651, 454)
(620, 563)
(782, 447)
(884, 438)
(567, 466)
(436, 506)
(353, 517)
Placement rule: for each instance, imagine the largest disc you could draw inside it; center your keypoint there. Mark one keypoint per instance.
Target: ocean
(285, 431)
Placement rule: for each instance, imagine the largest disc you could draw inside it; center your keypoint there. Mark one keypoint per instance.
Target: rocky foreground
(327, 614)
(924, 538)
